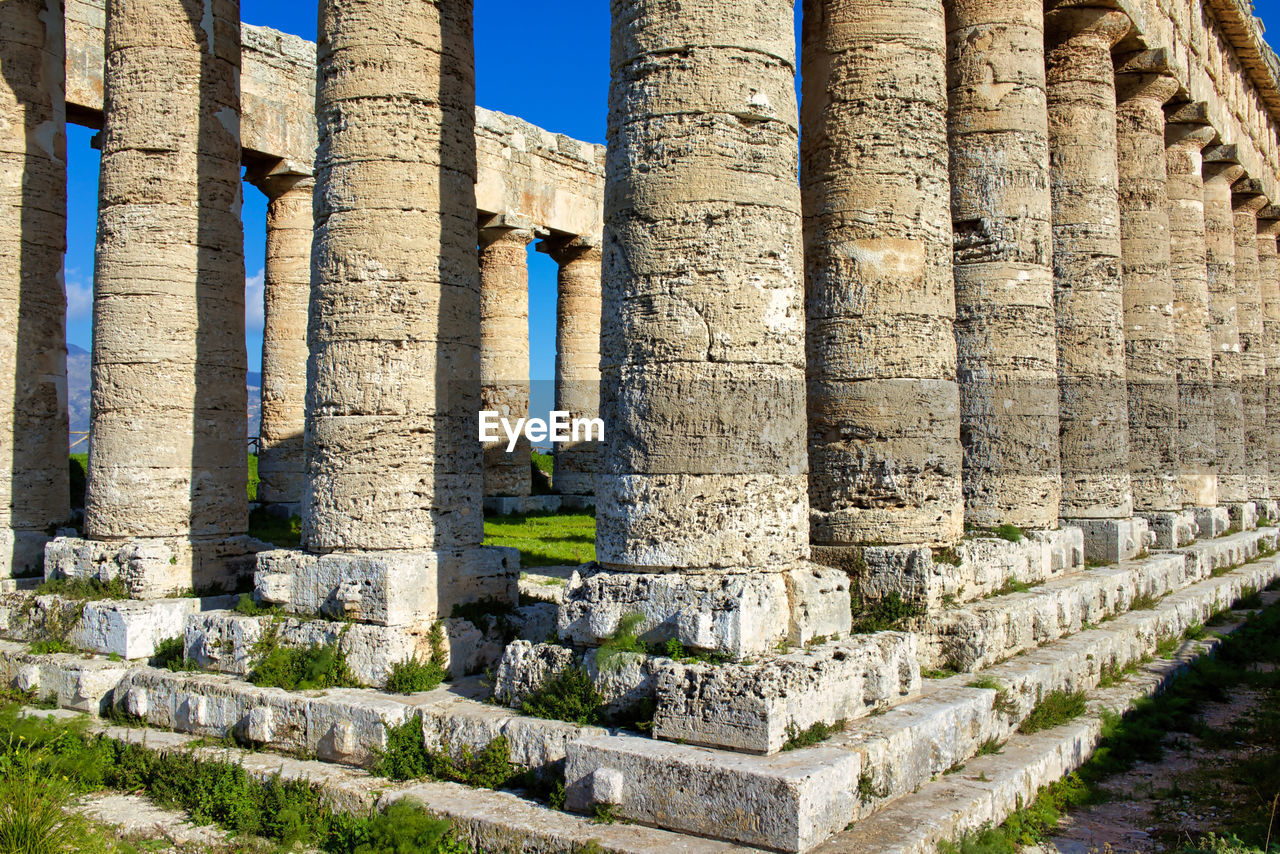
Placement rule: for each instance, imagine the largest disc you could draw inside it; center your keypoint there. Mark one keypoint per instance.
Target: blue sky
(547, 63)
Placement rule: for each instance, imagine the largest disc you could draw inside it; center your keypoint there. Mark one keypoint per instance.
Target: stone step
(978, 635)
(487, 820)
(857, 772)
(990, 788)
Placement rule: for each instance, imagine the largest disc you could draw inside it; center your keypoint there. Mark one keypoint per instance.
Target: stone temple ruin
(1002, 367)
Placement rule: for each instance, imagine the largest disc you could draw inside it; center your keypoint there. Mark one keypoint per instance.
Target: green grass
(543, 462)
(408, 758)
(270, 528)
(85, 588)
(545, 540)
(887, 614)
(45, 763)
(1054, 709)
(1011, 585)
(253, 477)
(1145, 602)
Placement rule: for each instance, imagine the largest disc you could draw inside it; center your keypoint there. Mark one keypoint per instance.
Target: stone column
(504, 352)
(34, 495)
(167, 447)
(702, 516)
(1144, 84)
(1005, 335)
(287, 293)
(1269, 285)
(1247, 199)
(1220, 172)
(577, 357)
(1093, 399)
(884, 420)
(392, 500)
(1186, 134)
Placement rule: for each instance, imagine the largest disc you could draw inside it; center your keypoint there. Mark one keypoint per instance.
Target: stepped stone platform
(902, 732)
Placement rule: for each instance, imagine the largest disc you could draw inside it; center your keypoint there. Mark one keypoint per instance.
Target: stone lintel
(1269, 214)
(1113, 540)
(159, 567)
(388, 588)
(1187, 113)
(1247, 191)
(1222, 153)
(555, 244)
(1171, 530)
(740, 614)
(1146, 62)
(506, 222)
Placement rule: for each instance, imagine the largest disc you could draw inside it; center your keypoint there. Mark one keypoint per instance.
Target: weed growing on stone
(947, 555)
(808, 737)
(868, 790)
(990, 747)
(407, 757)
(1144, 602)
(1195, 631)
(271, 528)
(567, 696)
(673, 649)
(489, 615)
(412, 676)
(888, 614)
(1028, 826)
(1012, 533)
(299, 668)
(291, 813)
(1004, 703)
(1274, 585)
(1054, 709)
(940, 673)
(1011, 585)
(1167, 646)
(48, 646)
(1250, 599)
(624, 640)
(604, 814)
(171, 655)
(84, 589)
(1112, 673)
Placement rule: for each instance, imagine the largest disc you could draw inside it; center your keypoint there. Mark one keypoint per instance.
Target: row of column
(1079, 336)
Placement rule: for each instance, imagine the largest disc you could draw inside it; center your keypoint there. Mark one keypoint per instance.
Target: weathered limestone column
(1269, 285)
(1005, 335)
(702, 517)
(884, 419)
(33, 226)
(1248, 199)
(287, 291)
(1220, 172)
(1093, 399)
(504, 352)
(1144, 84)
(392, 503)
(577, 357)
(167, 447)
(1186, 134)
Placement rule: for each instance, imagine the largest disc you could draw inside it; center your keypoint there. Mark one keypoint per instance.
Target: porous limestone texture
(393, 380)
(227, 642)
(884, 410)
(976, 567)
(1173, 530)
(756, 708)
(168, 426)
(625, 682)
(1220, 254)
(504, 352)
(702, 295)
(1248, 200)
(1006, 340)
(121, 627)
(1269, 283)
(577, 385)
(1113, 540)
(1088, 292)
(1143, 85)
(1193, 339)
(33, 224)
(156, 568)
(1212, 521)
(286, 294)
(73, 681)
(739, 614)
(389, 588)
(525, 667)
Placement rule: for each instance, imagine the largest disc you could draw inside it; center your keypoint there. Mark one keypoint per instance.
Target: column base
(1244, 515)
(1211, 521)
(499, 505)
(1109, 541)
(22, 553)
(387, 588)
(739, 614)
(1171, 529)
(975, 567)
(157, 567)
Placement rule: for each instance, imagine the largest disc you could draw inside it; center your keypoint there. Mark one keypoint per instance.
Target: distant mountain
(78, 364)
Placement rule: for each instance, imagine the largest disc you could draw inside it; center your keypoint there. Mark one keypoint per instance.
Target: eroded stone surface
(504, 352)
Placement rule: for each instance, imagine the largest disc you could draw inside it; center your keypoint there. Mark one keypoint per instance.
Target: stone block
(1172, 530)
(132, 629)
(627, 682)
(157, 568)
(1208, 555)
(755, 708)
(389, 588)
(1211, 521)
(1113, 540)
(788, 802)
(504, 505)
(1244, 515)
(21, 553)
(526, 667)
(738, 614)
